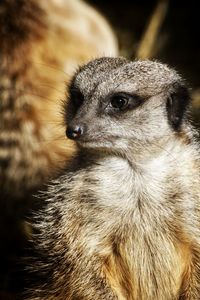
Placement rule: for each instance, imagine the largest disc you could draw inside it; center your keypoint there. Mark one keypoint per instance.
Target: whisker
(37, 95)
(29, 92)
(52, 87)
(51, 140)
(9, 61)
(51, 67)
(57, 123)
(168, 153)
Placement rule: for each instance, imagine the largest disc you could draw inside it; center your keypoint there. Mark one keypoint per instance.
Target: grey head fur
(124, 223)
(155, 96)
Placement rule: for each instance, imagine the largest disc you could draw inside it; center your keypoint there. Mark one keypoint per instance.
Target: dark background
(177, 43)
(178, 40)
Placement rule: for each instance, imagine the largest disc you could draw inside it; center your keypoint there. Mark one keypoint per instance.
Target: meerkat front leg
(191, 286)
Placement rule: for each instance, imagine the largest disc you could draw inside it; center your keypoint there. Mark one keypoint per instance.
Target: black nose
(74, 132)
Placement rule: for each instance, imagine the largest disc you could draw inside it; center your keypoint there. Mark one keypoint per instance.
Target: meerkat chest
(144, 267)
(142, 258)
(119, 186)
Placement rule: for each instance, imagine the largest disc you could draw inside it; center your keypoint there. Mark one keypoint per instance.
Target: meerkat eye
(119, 102)
(123, 102)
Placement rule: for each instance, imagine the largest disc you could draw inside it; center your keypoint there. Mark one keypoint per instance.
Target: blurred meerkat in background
(42, 42)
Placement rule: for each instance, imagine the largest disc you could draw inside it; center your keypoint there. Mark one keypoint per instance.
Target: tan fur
(41, 44)
(124, 223)
(117, 273)
(37, 59)
(123, 280)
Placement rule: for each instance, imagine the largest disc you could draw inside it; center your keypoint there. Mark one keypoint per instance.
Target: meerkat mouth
(95, 143)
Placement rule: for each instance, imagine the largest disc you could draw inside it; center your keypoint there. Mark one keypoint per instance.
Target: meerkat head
(116, 104)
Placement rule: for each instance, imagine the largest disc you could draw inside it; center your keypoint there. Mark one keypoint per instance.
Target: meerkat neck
(164, 154)
(121, 186)
(169, 148)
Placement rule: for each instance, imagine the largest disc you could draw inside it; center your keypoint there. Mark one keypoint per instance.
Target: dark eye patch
(76, 97)
(120, 102)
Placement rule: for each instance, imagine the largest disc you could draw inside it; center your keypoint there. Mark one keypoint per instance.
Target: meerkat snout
(74, 132)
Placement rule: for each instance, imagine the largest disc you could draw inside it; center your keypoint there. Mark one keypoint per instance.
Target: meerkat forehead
(145, 77)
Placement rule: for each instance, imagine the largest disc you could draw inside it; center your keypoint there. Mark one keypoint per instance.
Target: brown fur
(123, 281)
(41, 44)
(117, 273)
(38, 54)
(125, 222)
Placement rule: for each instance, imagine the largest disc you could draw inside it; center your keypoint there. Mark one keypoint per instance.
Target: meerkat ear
(177, 104)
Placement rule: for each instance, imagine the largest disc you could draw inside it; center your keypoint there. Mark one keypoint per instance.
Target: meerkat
(41, 43)
(124, 223)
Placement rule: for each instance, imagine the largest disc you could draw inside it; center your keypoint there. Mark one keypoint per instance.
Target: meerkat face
(116, 104)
